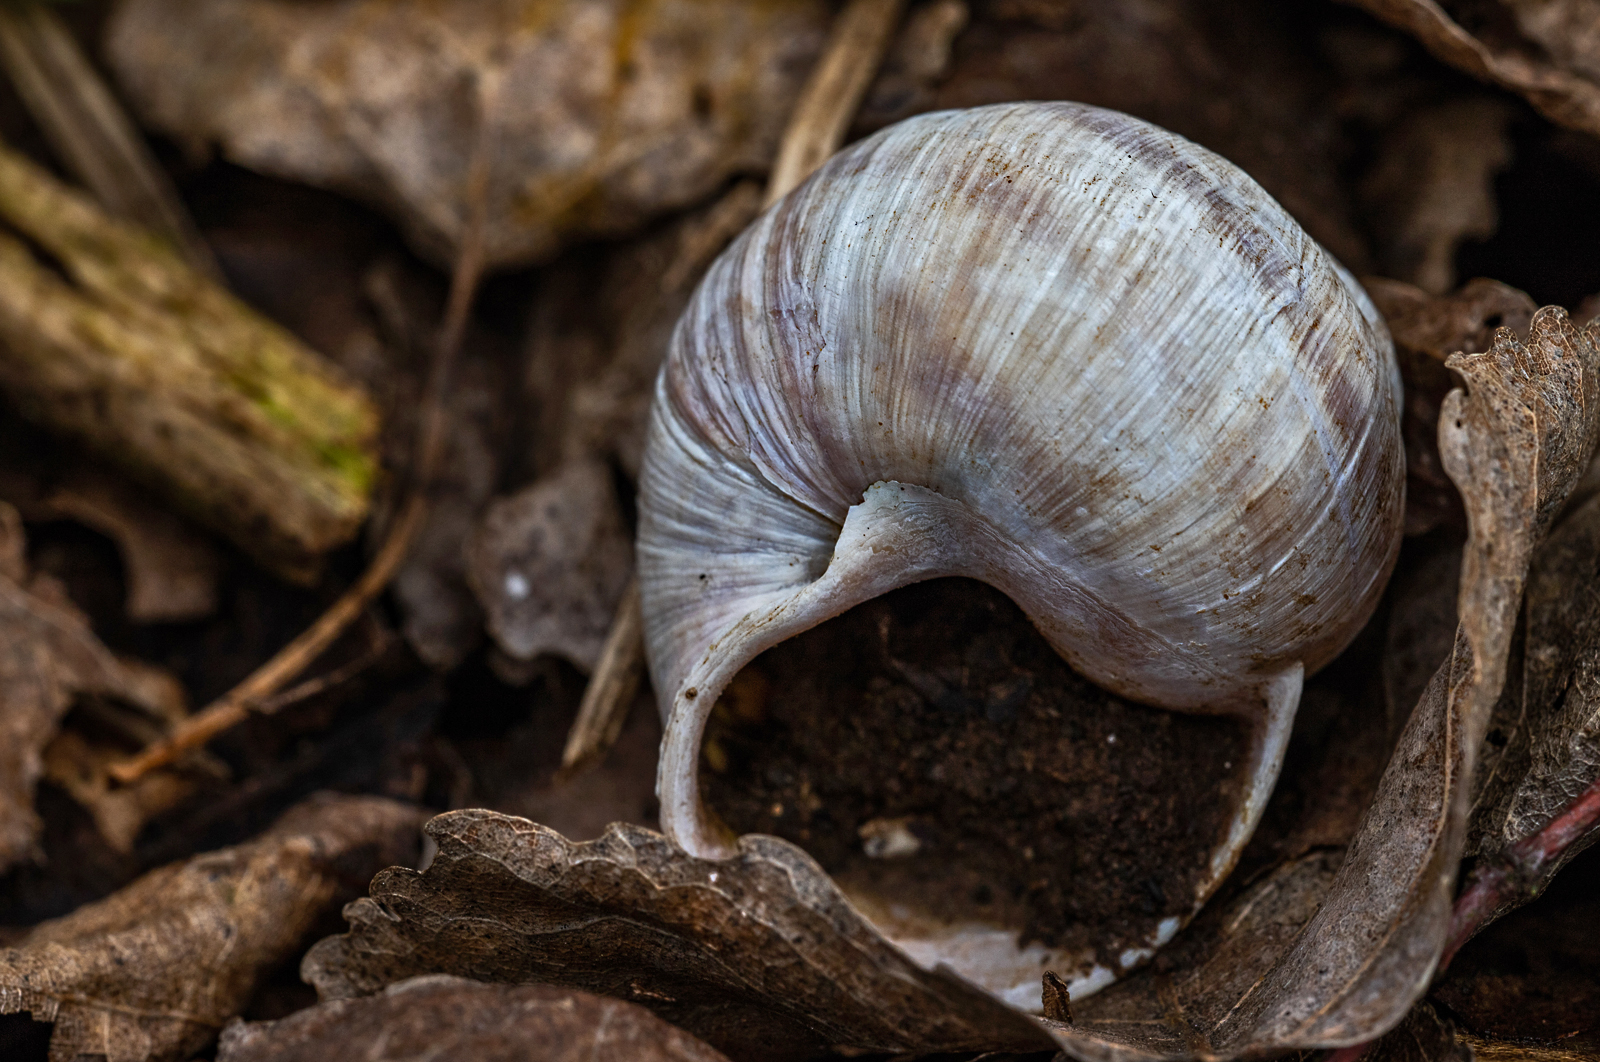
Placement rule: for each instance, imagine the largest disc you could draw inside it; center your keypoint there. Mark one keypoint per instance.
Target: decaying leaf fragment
(1545, 50)
(1432, 186)
(591, 116)
(48, 655)
(549, 564)
(760, 956)
(1549, 742)
(171, 569)
(153, 971)
(451, 1018)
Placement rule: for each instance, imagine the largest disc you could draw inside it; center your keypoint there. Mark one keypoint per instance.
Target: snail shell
(1046, 346)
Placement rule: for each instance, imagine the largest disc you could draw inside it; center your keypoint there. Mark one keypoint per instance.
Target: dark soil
(1038, 799)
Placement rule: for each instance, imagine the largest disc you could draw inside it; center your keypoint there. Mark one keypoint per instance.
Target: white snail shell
(1046, 346)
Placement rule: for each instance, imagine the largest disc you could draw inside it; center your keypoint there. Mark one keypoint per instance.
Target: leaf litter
(1345, 903)
(154, 970)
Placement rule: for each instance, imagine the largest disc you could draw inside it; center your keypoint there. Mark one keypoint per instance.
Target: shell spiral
(1047, 346)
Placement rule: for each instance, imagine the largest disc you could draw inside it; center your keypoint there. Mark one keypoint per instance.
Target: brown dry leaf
(171, 567)
(1427, 329)
(451, 1019)
(1515, 443)
(1431, 188)
(549, 564)
(760, 956)
(154, 971)
(48, 656)
(595, 115)
(1548, 743)
(1548, 51)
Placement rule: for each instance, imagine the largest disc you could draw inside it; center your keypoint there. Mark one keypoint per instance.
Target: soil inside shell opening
(931, 748)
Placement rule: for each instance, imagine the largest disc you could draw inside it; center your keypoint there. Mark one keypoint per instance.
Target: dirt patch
(931, 745)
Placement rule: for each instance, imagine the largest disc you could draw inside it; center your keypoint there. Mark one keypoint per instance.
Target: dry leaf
(1548, 745)
(1171, 1010)
(48, 655)
(1545, 50)
(1515, 444)
(1432, 187)
(591, 116)
(450, 1019)
(549, 564)
(760, 955)
(154, 970)
(120, 812)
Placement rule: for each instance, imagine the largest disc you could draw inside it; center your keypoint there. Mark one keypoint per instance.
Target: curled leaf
(1427, 329)
(1546, 52)
(760, 955)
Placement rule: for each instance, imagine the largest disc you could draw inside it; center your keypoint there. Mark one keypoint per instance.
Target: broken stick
(117, 342)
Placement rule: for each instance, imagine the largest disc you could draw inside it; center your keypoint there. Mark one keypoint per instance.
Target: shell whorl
(1044, 345)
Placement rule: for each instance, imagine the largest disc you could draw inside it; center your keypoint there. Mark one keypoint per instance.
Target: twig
(235, 706)
(833, 93)
(249, 696)
(322, 683)
(609, 694)
(88, 129)
(1519, 871)
(828, 102)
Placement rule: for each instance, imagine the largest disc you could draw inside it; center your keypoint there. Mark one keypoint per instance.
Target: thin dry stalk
(255, 692)
(829, 101)
(834, 92)
(616, 680)
(88, 129)
(235, 706)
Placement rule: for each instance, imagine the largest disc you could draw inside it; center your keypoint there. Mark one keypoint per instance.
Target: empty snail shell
(1053, 348)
